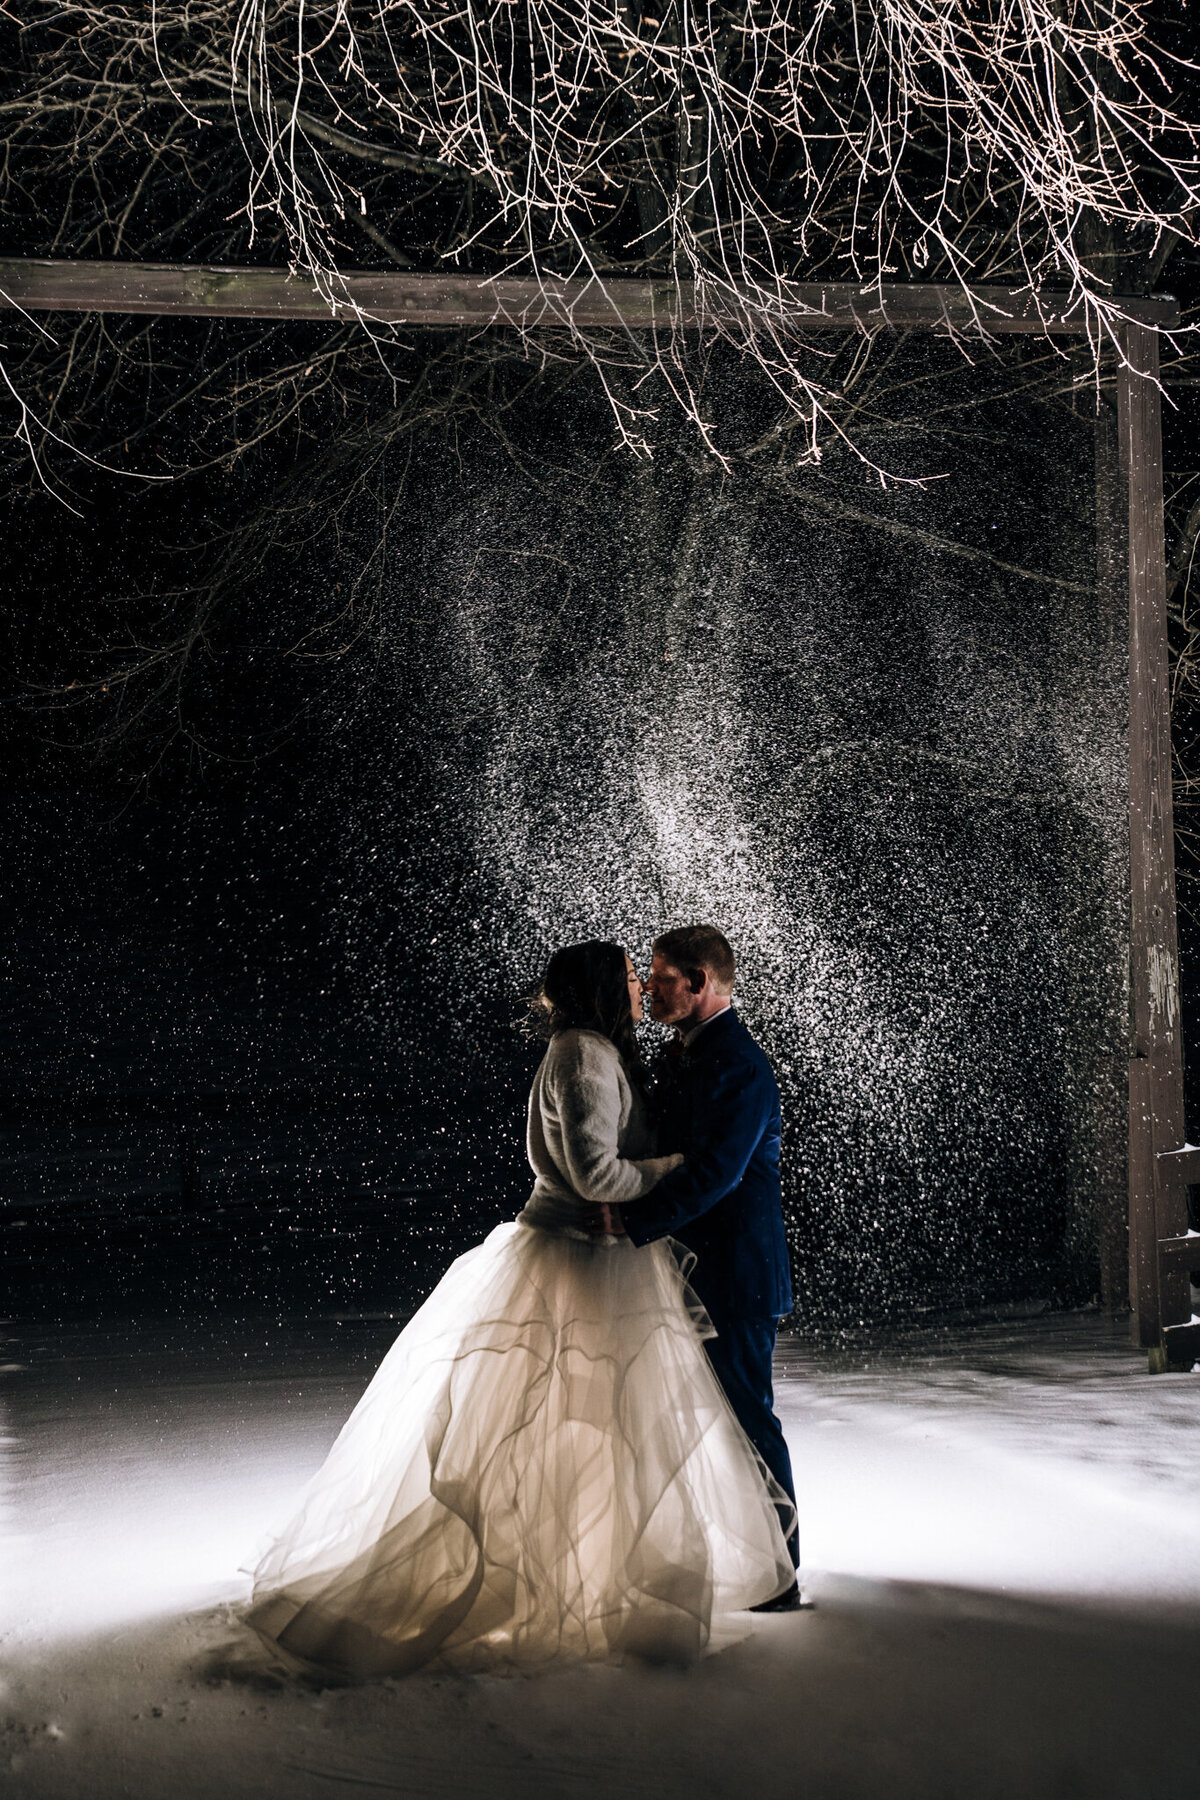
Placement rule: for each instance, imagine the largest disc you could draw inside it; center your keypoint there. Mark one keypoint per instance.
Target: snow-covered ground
(1001, 1531)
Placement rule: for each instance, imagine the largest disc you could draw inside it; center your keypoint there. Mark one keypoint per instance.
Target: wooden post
(1157, 1207)
(1109, 1168)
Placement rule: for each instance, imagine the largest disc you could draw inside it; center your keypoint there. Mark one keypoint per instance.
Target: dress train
(543, 1469)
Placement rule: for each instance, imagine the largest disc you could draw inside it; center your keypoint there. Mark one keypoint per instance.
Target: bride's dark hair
(586, 988)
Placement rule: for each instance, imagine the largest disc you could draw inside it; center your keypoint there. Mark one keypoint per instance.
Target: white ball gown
(544, 1468)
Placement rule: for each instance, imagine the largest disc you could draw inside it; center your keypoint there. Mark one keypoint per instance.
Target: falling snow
(651, 692)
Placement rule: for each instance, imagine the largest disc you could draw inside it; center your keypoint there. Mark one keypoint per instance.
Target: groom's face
(673, 999)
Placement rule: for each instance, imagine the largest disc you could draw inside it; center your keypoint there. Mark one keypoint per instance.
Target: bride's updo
(586, 988)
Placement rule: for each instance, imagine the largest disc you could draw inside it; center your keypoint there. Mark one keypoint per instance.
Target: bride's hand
(609, 1223)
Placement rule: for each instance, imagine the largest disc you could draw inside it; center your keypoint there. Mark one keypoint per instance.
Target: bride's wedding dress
(544, 1467)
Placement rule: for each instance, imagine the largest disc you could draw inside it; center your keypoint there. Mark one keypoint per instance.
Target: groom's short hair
(692, 947)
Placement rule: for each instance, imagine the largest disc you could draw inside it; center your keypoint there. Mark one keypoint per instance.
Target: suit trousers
(741, 1358)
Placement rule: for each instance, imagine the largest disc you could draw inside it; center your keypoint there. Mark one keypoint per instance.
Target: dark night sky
(179, 920)
(234, 1027)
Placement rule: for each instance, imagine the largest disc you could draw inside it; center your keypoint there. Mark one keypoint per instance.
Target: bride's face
(635, 989)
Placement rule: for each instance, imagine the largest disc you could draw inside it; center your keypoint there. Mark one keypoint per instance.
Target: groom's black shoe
(789, 1601)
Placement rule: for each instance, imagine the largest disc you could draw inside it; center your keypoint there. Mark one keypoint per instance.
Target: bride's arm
(586, 1090)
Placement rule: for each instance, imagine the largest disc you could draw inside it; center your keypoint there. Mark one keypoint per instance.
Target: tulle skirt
(544, 1469)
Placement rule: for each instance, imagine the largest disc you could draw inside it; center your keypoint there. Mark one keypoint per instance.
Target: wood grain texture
(1182, 1252)
(1180, 1347)
(1183, 1165)
(1143, 1230)
(1157, 1192)
(1109, 1073)
(448, 299)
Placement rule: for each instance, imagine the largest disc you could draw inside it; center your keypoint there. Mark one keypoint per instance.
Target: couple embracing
(570, 1452)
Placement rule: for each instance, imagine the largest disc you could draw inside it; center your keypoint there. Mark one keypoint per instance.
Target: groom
(721, 1108)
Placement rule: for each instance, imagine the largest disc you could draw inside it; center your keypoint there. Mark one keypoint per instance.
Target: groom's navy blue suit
(719, 1104)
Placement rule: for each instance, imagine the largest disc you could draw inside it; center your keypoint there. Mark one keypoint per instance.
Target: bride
(544, 1468)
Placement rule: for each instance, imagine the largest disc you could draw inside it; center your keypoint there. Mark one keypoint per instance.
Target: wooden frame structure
(1162, 1250)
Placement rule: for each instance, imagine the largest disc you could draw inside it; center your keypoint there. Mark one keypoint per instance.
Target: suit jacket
(721, 1108)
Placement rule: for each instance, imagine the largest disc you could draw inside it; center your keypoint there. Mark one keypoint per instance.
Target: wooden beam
(404, 297)
(1180, 1347)
(1184, 1251)
(1157, 1190)
(1182, 1164)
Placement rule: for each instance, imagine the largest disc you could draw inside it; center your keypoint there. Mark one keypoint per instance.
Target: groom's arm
(734, 1113)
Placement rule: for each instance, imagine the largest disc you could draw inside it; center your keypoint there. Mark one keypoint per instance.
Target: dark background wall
(265, 970)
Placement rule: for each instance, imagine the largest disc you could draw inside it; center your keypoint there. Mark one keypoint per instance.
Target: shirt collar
(688, 1038)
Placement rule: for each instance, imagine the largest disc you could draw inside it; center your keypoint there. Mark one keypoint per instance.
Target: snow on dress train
(544, 1468)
